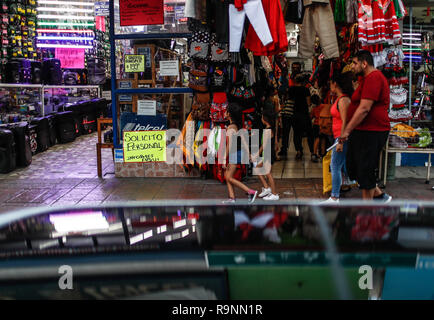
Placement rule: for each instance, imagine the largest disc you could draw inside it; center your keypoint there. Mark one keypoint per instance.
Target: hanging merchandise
(351, 11)
(378, 23)
(255, 12)
(218, 107)
(218, 19)
(294, 11)
(318, 21)
(340, 11)
(198, 76)
(200, 108)
(276, 24)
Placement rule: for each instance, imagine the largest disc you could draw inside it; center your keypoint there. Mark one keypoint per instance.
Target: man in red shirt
(369, 126)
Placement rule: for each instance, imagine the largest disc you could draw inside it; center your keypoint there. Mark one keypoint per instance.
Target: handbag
(218, 107)
(200, 108)
(198, 77)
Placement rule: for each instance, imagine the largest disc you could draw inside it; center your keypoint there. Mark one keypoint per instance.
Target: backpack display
(198, 77)
(8, 158)
(200, 109)
(218, 77)
(22, 143)
(51, 71)
(218, 107)
(326, 120)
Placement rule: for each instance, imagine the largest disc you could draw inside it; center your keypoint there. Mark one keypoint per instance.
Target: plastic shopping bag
(326, 172)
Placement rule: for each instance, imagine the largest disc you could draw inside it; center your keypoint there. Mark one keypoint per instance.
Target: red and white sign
(141, 12)
(100, 23)
(70, 58)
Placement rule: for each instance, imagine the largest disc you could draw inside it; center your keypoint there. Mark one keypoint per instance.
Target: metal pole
(113, 72)
(410, 75)
(42, 93)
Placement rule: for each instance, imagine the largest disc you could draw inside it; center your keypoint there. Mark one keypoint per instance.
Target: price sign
(134, 63)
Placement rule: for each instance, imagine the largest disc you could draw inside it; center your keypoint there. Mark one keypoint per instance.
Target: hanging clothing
(351, 11)
(393, 33)
(340, 11)
(276, 23)
(378, 22)
(255, 12)
(218, 15)
(294, 11)
(318, 21)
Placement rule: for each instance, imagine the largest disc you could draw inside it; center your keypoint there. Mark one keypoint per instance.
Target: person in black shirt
(300, 120)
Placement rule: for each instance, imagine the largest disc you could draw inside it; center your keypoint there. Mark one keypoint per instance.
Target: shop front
(210, 53)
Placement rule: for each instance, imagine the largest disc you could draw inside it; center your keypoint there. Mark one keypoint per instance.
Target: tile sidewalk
(66, 175)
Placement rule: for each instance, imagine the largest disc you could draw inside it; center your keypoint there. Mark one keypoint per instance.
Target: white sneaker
(228, 201)
(329, 200)
(265, 192)
(272, 197)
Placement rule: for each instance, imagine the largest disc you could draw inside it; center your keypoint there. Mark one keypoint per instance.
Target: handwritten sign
(144, 146)
(134, 63)
(169, 68)
(141, 12)
(70, 58)
(146, 107)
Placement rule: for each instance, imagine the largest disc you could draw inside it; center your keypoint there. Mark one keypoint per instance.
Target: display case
(22, 99)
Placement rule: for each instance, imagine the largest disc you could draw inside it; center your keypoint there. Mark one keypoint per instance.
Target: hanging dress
(276, 24)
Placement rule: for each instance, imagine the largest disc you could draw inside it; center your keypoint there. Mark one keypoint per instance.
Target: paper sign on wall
(169, 68)
(141, 12)
(146, 107)
(70, 58)
(144, 146)
(134, 63)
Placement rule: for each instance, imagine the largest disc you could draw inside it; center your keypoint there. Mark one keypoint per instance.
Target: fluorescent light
(52, 45)
(65, 38)
(69, 10)
(412, 44)
(193, 221)
(67, 3)
(63, 31)
(73, 24)
(64, 17)
(179, 223)
(76, 222)
(161, 229)
(185, 233)
(141, 237)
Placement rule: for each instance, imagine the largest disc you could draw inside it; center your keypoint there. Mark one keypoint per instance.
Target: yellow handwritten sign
(144, 146)
(134, 63)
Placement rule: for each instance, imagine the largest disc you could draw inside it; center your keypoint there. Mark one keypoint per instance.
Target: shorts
(363, 156)
(235, 158)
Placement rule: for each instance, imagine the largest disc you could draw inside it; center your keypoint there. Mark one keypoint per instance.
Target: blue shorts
(235, 158)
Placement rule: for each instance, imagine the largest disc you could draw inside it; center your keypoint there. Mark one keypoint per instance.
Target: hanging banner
(144, 146)
(70, 58)
(134, 63)
(141, 12)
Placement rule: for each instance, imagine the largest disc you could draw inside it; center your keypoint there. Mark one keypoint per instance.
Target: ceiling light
(52, 45)
(67, 3)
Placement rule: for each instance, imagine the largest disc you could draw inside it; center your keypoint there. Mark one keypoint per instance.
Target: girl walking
(233, 115)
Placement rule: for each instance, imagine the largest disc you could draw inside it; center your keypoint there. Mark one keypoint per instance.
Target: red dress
(276, 24)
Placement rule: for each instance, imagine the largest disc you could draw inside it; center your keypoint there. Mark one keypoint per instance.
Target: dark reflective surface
(205, 250)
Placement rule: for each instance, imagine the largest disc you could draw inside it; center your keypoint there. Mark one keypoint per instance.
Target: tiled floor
(76, 159)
